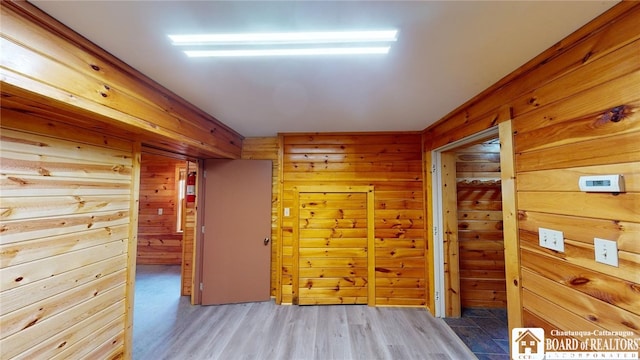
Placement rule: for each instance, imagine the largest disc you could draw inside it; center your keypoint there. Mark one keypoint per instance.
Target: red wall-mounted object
(191, 187)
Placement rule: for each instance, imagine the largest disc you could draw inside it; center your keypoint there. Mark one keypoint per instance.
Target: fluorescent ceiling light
(286, 38)
(289, 52)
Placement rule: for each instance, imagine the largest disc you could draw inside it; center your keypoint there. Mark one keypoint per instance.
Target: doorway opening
(480, 239)
(160, 215)
(160, 251)
(469, 248)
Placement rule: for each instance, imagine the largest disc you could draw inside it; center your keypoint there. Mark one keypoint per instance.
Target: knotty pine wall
(189, 242)
(159, 242)
(66, 215)
(575, 110)
(44, 61)
(267, 148)
(480, 236)
(392, 163)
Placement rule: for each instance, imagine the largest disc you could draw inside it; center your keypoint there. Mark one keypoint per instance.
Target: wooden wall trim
(295, 244)
(510, 226)
(132, 251)
(196, 293)
(118, 94)
(280, 247)
(155, 151)
(371, 256)
(429, 167)
(450, 235)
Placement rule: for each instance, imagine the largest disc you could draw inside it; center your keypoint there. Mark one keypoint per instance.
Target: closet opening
(469, 247)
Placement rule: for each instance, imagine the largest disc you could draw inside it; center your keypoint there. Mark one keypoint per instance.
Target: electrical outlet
(606, 251)
(551, 239)
(159, 211)
(287, 212)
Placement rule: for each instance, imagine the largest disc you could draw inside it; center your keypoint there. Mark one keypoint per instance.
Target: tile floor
(484, 331)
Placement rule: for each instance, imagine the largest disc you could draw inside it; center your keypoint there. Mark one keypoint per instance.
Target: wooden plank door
(334, 247)
(237, 218)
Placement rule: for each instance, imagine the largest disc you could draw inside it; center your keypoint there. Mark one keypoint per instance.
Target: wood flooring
(166, 326)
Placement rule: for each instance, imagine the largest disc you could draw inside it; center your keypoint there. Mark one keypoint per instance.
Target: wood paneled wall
(44, 61)
(189, 242)
(65, 218)
(267, 148)
(480, 237)
(392, 163)
(159, 242)
(575, 111)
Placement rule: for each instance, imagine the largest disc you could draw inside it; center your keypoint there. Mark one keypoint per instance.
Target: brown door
(237, 218)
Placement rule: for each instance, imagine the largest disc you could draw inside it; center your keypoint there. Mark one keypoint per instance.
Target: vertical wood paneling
(512, 252)
(159, 242)
(575, 112)
(267, 148)
(450, 246)
(189, 241)
(392, 164)
(481, 244)
(65, 241)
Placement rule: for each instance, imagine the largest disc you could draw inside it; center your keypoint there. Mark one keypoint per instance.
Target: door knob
(266, 241)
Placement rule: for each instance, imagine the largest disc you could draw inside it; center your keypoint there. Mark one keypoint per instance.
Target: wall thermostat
(602, 183)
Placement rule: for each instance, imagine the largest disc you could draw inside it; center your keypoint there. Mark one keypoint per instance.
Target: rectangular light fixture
(286, 38)
(280, 44)
(289, 52)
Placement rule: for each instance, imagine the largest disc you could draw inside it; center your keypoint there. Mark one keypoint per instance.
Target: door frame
(371, 255)
(447, 285)
(510, 217)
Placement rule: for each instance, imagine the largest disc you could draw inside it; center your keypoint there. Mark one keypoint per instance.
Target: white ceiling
(447, 52)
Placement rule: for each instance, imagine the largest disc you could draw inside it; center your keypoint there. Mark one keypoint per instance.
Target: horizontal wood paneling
(602, 286)
(599, 312)
(159, 249)
(575, 112)
(592, 42)
(159, 242)
(392, 164)
(480, 238)
(47, 66)
(582, 254)
(566, 179)
(65, 240)
(584, 229)
(343, 250)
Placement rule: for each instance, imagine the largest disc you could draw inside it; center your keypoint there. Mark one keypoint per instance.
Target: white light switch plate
(606, 251)
(551, 239)
(287, 212)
